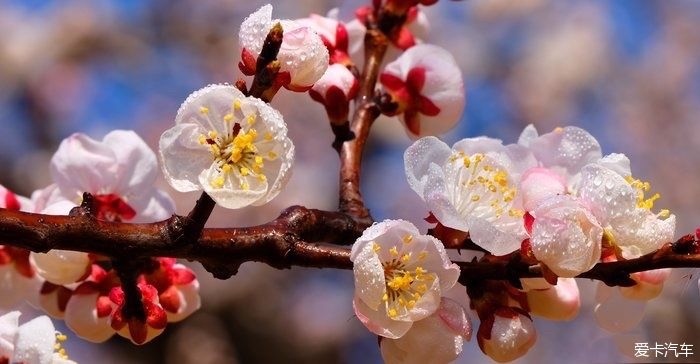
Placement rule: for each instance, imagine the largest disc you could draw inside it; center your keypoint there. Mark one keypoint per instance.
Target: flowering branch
(281, 243)
(289, 240)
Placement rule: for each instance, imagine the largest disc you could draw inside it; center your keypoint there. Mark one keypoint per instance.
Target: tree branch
(284, 242)
(366, 111)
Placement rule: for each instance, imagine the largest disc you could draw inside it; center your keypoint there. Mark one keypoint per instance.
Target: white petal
(438, 261)
(35, 341)
(419, 156)
(137, 166)
(8, 332)
(190, 301)
(378, 322)
(254, 29)
(608, 194)
(528, 135)
(183, 157)
(369, 277)
(81, 316)
(231, 195)
(82, 164)
(617, 162)
(156, 205)
(568, 149)
(642, 232)
(60, 207)
(61, 266)
(439, 202)
(499, 237)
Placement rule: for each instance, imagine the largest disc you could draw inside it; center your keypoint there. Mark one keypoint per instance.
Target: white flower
(435, 339)
(399, 277)
(427, 85)
(566, 236)
(618, 201)
(120, 172)
(30, 343)
(507, 335)
(559, 302)
(302, 53)
(335, 90)
(233, 147)
(471, 187)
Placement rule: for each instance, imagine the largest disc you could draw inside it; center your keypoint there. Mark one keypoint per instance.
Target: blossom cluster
(555, 200)
(85, 289)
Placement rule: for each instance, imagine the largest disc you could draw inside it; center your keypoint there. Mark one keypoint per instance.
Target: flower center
(642, 187)
(486, 189)
(406, 280)
(235, 152)
(60, 338)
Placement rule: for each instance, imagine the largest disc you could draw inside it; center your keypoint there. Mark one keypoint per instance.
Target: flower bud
(506, 335)
(335, 90)
(302, 54)
(61, 266)
(334, 35)
(427, 85)
(560, 302)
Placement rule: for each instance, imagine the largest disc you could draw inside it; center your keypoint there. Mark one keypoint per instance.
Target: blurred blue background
(626, 70)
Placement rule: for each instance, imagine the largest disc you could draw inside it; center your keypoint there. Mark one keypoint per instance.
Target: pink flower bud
(506, 335)
(302, 55)
(334, 35)
(436, 339)
(560, 302)
(335, 90)
(426, 83)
